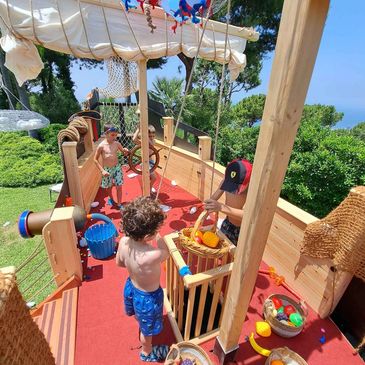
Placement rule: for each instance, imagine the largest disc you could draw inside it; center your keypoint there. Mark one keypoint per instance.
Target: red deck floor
(106, 336)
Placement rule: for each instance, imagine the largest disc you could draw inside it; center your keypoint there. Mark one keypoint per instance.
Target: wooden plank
(205, 337)
(61, 243)
(181, 305)
(168, 130)
(199, 264)
(172, 320)
(67, 334)
(213, 308)
(201, 278)
(72, 282)
(202, 300)
(177, 278)
(72, 171)
(298, 41)
(189, 313)
(143, 122)
(205, 147)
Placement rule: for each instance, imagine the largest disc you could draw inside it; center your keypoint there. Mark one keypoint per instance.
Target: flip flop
(158, 353)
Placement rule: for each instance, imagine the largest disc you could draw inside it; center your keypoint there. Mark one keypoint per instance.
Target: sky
(338, 78)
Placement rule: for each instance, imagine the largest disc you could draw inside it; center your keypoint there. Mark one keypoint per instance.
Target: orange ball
(277, 362)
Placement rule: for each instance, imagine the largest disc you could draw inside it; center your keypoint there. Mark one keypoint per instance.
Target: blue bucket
(100, 239)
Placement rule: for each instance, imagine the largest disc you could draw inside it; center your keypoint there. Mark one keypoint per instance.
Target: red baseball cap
(237, 176)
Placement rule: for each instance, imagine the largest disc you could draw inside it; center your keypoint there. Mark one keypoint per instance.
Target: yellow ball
(263, 329)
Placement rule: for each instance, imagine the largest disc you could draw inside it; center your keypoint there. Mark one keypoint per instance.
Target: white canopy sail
(99, 29)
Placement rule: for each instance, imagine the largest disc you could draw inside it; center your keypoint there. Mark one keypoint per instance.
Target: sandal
(158, 353)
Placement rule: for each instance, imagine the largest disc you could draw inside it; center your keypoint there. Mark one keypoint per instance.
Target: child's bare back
(142, 261)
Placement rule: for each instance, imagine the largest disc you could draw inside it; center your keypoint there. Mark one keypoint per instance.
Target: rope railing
(33, 271)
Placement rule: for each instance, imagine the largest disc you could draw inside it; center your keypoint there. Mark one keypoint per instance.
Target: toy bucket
(101, 240)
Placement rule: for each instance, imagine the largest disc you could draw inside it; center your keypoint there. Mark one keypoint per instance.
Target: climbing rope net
(122, 78)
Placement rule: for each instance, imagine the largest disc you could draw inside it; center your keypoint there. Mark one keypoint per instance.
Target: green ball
(281, 310)
(296, 319)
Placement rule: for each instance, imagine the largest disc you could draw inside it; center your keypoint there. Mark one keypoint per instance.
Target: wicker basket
(285, 354)
(278, 327)
(187, 350)
(187, 235)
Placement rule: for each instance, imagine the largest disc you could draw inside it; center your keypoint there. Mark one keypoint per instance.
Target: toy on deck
(284, 356)
(263, 329)
(135, 159)
(187, 353)
(260, 350)
(203, 241)
(288, 320)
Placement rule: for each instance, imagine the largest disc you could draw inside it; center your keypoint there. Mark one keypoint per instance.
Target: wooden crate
(195, 303)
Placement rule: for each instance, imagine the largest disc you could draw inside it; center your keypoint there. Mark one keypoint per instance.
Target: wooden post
(168, 130)
(61, 243)
(72, 172)
(89, 137)
(297, 46)
(143, 122)
(205, 147)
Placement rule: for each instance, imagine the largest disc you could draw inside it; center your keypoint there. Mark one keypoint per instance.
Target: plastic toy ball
(289, 309)
(277, 302)
(296, 319)
(281, 310)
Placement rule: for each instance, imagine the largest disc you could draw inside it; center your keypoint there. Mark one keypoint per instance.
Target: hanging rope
(183, 101)
(220, 96)
(187, 88)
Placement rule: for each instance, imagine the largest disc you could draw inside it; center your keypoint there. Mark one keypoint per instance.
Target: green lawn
(14, 249)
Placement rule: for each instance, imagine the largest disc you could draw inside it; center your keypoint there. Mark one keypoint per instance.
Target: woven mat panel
(340, 235)
(21, 342)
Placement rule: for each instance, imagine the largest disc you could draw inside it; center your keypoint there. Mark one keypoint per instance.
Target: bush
(24, 162)
(48, 137)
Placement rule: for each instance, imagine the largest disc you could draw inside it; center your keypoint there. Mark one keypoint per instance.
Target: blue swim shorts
(146, 306)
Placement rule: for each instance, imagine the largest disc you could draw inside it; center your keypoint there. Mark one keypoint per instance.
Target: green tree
(359, 131)
(169, 93)
(57, 104)
(249, 110)
(326, 115)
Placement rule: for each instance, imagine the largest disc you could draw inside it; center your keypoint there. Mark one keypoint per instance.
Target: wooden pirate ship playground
(213, 300)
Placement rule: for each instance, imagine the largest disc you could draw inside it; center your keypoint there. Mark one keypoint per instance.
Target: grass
(14, 249)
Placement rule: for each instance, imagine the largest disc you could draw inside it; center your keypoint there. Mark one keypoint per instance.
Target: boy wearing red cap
(235, 184)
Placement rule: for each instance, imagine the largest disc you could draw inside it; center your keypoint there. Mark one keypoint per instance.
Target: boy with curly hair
(143, 296)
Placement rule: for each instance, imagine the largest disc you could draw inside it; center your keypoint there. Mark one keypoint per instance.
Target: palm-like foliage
(169, 93)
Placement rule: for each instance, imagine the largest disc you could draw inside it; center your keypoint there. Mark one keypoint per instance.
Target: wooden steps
(58, 324)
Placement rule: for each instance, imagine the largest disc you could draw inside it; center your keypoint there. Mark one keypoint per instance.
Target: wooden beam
(143, 120)
(72, 172)
(297, 46)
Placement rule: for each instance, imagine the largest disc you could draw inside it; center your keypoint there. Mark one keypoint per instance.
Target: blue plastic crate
(101, 240)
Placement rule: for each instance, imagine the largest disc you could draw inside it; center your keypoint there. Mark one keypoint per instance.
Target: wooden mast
(297, 46)
(143, 123)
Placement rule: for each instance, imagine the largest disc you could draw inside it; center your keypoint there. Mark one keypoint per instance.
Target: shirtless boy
(151, 136)
(235, 184)
(110, 167)
(143, 296)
